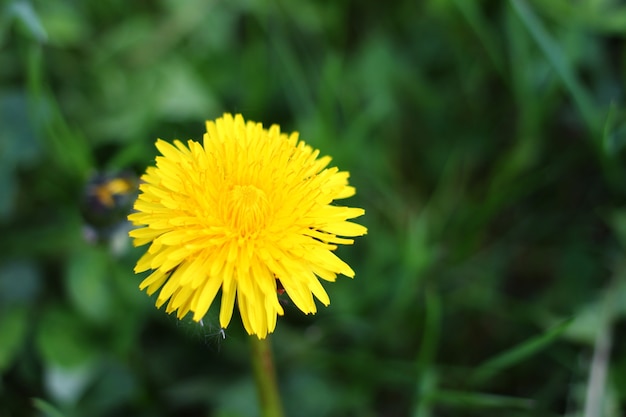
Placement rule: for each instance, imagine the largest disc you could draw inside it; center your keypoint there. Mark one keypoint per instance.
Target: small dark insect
(282, 298)
(279, 287)
(107, 200)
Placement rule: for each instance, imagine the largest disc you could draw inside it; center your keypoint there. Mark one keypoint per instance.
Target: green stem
(265, 377)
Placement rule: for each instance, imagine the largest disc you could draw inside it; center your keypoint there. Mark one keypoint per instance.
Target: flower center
(247, 209)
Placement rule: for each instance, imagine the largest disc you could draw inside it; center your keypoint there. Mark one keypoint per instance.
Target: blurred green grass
(485, 139)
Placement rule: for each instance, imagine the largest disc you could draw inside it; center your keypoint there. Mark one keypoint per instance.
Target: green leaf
(64, 23)
(62, 339)
(24, 13)
(86, 281)
(19, 147)
(20, 282)
(13, 325)
(67, 385)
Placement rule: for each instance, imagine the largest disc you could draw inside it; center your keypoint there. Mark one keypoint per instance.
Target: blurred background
(485, 139)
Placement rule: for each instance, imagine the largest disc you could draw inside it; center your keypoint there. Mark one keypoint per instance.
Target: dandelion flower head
(249, 212)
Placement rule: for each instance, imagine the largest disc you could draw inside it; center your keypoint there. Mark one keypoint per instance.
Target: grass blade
(554, 54)
(460, 399)
(519, 353)
(46, 408)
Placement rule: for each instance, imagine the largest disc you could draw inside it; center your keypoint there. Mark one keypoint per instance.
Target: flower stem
(265, 377)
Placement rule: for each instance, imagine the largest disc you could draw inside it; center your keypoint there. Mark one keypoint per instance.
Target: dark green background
(485, 139)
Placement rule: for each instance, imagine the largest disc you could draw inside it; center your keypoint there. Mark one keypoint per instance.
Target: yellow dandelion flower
(249, 211)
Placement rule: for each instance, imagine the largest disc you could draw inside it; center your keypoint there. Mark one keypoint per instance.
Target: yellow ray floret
(243, 211)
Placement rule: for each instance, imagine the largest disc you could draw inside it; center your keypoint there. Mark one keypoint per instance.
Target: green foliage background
(485, 139)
